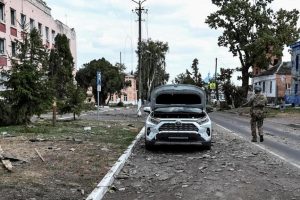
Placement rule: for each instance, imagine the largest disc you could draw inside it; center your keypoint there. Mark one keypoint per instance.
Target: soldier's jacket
(257, 103)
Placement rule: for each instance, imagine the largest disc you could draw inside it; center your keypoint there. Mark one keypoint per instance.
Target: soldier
(257, 111)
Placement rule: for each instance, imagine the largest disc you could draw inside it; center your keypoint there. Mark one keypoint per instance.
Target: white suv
(177, 116)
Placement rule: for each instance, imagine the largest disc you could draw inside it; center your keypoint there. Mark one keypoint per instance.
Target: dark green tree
(74, 102)
(193, 78)
(26, 82)
(61, 66)
(153, 65)
(112, 78)
(254, 33)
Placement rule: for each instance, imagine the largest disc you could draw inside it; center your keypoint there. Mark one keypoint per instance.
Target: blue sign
(98, 81)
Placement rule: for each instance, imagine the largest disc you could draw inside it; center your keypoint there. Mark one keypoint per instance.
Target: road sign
(98, 83)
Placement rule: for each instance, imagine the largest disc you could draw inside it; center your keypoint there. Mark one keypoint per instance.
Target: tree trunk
(245, 81)
(74, 116)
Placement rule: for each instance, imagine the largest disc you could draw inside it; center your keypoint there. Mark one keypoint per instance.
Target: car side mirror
(147, 109)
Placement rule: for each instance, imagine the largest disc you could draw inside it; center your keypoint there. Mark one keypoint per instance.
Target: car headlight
(154, 120)
(202, 120)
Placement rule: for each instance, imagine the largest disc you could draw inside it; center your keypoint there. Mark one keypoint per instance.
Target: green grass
(116, 133)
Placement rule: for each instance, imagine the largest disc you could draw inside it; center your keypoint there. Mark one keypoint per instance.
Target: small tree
(26, 82)
(74, 102)
(193, 78)
(61, 66)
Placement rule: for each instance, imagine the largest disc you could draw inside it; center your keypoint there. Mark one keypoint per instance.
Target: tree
(61, 66)
(193, 78)
(254, 33)
(74, 101)
(112, 77)
(153, 65)
(26, 82)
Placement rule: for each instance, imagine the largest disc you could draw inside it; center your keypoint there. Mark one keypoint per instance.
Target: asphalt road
(281, 139)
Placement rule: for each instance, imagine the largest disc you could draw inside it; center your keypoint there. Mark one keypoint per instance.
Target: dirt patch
(233, 169)
(75, 159)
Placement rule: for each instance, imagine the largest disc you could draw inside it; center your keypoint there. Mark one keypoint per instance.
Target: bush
(5, 114)
(120, 104)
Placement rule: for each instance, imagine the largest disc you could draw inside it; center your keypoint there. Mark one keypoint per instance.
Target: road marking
(261, 147)
(102, 187)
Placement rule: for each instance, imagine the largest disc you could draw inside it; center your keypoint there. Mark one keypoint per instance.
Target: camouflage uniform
(257, 112)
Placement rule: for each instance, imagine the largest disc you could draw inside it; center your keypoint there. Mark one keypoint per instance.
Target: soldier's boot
(261, 138)
(254, 139)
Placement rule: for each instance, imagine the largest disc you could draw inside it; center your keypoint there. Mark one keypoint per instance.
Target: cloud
(107, 27)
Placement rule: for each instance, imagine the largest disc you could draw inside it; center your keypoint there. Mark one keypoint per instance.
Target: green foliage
(5, 113)
(193, 78)
(74, 101)
(153, 65)
(26, 82)
(61, 66)
(112, 78)
(254, 33)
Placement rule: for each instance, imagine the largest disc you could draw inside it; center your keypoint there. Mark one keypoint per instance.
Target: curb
(102, 187)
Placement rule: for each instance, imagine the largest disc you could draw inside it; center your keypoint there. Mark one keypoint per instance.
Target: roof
(283, 68)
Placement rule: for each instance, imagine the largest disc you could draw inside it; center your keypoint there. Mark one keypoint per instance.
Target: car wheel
(207, 147)
(148, 145)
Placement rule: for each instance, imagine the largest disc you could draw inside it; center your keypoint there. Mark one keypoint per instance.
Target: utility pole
(217, 88)
(139, 11)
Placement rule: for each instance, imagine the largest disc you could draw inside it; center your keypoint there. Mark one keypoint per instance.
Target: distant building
(275, 81)
(128, 94)
(293, 96)
(15, 15)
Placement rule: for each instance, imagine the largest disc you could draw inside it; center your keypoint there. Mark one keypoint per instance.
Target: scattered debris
(72, 149)
(39, 154)
(131, 125)
(87, 128)
(37, 140)
(7, 164)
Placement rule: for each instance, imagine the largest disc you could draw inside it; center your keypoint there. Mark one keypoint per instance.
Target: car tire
(149, 146)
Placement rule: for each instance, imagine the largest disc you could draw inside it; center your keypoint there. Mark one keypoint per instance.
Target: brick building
(17, 15)
(275, 81)
(128, 94)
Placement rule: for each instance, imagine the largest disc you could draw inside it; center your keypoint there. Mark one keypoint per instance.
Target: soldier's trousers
(256, 122)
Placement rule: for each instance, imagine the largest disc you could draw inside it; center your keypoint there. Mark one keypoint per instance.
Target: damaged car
(177, 116)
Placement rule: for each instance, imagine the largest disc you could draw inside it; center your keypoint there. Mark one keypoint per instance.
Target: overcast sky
(105, 28)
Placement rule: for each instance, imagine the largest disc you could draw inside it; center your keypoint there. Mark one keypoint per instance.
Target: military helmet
(257, 88)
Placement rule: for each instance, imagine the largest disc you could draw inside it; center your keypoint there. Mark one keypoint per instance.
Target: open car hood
(178, 95)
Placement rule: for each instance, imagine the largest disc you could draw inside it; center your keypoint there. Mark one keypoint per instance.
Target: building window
(13, 49)
(40, 28)
(271, 85)
(23, 21)
(32, 25)
(297, 62)
(264, 87)
(13, 17)
(2, 12)
(53, 36)
(125, 97)
(47, 33)
(2, 44)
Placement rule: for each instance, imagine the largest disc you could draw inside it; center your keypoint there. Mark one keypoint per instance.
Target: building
(293, 96)
(128, 94)
(17, 15)
(275, 81)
